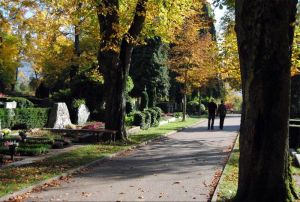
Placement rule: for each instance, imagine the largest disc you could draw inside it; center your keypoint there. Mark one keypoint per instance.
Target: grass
(229, 180)
(17, 178)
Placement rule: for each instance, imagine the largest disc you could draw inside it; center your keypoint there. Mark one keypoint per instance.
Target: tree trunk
(265, 36)
(199, 94)
(184, 96)
(114, 58)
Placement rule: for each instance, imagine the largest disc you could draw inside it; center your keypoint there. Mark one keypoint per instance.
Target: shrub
(139, 119)
(5, 119)
(32, 151)
(77, 102)
(129, 120)
(193, 107)
(144, 100)
(62, 95)
(30, 118)
(45, 140)
(159, 112)
(177, 114)
(129, 107)
(21, 102)
(147, 120)
(164, 106)
(154, 121)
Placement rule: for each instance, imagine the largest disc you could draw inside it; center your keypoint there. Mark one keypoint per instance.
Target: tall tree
(265, 35)
(192, 56)
(150, 69)
(115, 56)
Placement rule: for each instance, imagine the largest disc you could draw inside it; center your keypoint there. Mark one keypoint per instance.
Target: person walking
(212, 107)
(222, 113)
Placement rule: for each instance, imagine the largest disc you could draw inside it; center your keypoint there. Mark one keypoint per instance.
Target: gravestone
(83, 114)
(59, 116)
(10, 105)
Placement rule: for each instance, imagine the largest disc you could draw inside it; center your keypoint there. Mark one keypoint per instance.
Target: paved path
(178, 168)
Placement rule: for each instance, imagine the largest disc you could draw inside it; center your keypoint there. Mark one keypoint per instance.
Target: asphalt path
(179, 167)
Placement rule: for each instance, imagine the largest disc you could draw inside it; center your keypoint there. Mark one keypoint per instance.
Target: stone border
(9, 197)
(215, 194)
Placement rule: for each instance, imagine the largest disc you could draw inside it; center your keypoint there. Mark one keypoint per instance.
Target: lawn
(229, 180)
(17, 178)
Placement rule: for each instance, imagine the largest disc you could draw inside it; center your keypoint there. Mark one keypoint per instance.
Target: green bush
(77, 102)
(159, 112)
(177, 114)
(154, 121)
(30, 118)
(129, 107)
(129, 119)
(62, 95)
(45, 140)
(139, 119)
(144, 100)
(21, 102)
(5, 118)
(147, 120)
(32, 151)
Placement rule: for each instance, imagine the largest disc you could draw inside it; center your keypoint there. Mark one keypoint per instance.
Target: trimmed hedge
(147, 120)
(139, 119)
(153, 113)
(5, 118)
(24, 118)
(159, 112)
(21, 102)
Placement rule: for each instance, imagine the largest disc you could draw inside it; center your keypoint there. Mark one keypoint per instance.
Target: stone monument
(59, 116)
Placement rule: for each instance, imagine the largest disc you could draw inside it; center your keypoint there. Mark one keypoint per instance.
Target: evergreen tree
(149, 69)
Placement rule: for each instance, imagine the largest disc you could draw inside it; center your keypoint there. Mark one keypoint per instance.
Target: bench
(97, 132)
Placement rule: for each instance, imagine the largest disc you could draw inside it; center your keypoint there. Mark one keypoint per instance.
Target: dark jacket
(212, 108)
(222, 110)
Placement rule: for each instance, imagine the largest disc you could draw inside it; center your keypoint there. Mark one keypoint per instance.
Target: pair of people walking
(214, 110)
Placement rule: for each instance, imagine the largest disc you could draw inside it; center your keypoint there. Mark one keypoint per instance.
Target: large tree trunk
(265, 34)
(114, 58)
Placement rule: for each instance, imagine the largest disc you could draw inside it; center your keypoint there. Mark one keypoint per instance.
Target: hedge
(5, 118)
(139, 119)
(147, 120)
(159, 112)
(24, 118)
(21, 102)
(153, 113)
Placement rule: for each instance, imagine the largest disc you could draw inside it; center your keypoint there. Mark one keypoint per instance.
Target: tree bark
(265, 38)
(184, 96)
(115, 57)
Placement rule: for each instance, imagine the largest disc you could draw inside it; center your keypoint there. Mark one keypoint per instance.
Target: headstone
(10, 105)
(83, 114)
(59, 116)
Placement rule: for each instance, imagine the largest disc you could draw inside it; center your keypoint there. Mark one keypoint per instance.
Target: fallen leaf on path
(86, 194)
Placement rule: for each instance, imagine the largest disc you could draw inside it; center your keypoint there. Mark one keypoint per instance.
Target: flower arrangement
(6, 131)
(11, 143)
(94, 126)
